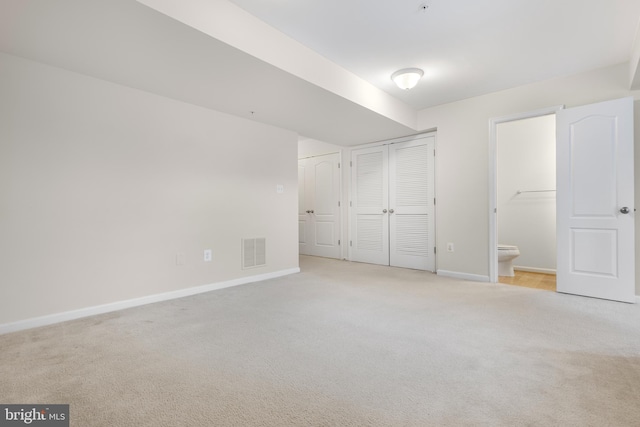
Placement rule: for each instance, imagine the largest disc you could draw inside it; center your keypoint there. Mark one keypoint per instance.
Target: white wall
(308, 147)
(526, 152)
(462, 165)
(101, 186)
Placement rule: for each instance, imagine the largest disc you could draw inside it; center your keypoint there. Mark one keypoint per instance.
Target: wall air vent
(254, 252)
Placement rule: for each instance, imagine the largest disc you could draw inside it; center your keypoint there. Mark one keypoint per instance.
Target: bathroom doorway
(524, 199)
(594, 145)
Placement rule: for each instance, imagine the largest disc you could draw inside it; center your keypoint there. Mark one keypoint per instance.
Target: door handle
(311, 211)
(384, 211)
(624, 210)
(308, 211)
(391, 211)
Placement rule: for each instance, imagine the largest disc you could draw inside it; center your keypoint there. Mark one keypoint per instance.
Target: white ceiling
(329, 79)
(466, 47)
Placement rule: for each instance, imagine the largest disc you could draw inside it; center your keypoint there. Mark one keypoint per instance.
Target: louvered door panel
(370, 182)
(370, 233)
(411, 193)
(412, 235)
(370, 226)
(392, 220)
(411, 176)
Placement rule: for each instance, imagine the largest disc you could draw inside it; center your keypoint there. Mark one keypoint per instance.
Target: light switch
(180, 258)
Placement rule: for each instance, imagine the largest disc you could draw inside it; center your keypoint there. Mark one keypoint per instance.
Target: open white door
(595, 201)
(319, 205)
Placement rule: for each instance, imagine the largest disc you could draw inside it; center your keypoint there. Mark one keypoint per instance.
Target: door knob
(308, 211)
(624, 210)
(312, 211)
(391, 210)
(384, 211)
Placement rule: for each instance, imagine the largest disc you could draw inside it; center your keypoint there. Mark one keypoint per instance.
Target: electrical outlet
(279, 188)
(450, 247)
(208, 255)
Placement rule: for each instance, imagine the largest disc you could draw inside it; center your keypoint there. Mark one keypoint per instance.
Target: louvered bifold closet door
(369, 203)
(411, 204)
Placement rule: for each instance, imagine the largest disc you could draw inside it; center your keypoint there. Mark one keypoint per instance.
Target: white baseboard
(121, 305)
(534, 269)
(463, 276)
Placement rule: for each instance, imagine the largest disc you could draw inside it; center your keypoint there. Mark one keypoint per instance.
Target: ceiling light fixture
(407, 77)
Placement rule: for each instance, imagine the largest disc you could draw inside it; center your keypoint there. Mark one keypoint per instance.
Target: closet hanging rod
(533, 191)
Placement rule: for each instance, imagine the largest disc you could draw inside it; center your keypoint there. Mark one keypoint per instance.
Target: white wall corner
(634, 63)
(227, 22)
(121, 305)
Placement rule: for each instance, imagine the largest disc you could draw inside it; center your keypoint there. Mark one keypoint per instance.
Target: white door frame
(493, 180)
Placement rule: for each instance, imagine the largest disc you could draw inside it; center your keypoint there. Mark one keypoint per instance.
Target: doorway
(528, 196)
(526, 202)
(595, 188)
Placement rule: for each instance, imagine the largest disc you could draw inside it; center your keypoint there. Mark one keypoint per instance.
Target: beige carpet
(340, 344)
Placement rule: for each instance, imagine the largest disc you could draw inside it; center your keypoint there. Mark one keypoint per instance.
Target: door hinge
(351, 164)
(338, 165)
(434, 201)
(350, 204)
(338, 203)
(434, 152)
(350, 243)
(435, 250)
(338, 242)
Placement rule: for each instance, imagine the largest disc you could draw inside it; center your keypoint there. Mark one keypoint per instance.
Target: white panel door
(411, 204)
(369, 205)
(319, 205)
(325, 205)
(595, 203)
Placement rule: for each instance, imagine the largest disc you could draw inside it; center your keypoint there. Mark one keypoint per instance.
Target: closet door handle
(308, 211)
(311, 211)
(624, 210)
(384, 211)
(391, 211)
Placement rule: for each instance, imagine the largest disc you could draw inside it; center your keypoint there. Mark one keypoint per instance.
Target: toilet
(506, 254)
